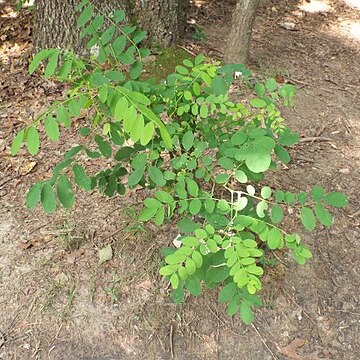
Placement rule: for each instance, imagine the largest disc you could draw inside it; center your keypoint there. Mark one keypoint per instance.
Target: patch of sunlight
(351, 28)
(353, 3)
(9, 13)
(29, 3)
(315, 6)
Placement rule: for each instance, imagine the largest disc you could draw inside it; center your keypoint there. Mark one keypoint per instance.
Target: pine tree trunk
(238, 44)
(55, 20)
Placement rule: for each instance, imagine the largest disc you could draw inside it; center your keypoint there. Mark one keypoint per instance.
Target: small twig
(2, 339)
(321, 130)
(171, 339)
(300, 307)
(355, 214)
(263, 341)
(300, 82)
(327, 90)
(341, 89)
(314, 138)
(303, 158)
(226, 325)
(160, 342)
(190, 321)
(217, 336)
(187, 50)
(279, 260)
(39, 227)
(112, 234)
(31, 307)
(347, 122)
(8, 180)
(347, 312)
(347, 237)
(112, 212)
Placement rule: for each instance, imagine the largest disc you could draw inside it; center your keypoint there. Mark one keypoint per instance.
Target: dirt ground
(56, 302)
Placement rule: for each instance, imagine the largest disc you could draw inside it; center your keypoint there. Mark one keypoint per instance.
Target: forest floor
(56, 302)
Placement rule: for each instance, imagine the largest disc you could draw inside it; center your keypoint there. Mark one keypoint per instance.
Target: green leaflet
(33, 196)
(274, 238)
(222, 178)
(194, 206)
(288, 138)
(52, 128)
(156, 176)
(233, 306)
(247, 315)
(282, 154)
(164, 197)
(119, 15)
(81, 179)
(52, 64)
(227, 292)
(85, 16)
(147, 133)
(336, 199)
(38, 58)
(241, 176)
(17, 142)
(258, 103)
(308, 218)
(277, 214)
(135, 70)
(135, 177)
(62, 116)
(32, 140)
(323, 215)
(193, 285)
(104, 146)
(65, 192)
(65, 69)
(151, 116)
(271, 84)
(219, 85)
(317, 193)
(188, 140)
(266, 192)
(48, 201)
(258, 160)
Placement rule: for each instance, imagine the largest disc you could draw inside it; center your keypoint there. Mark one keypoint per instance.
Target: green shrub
(202, 155)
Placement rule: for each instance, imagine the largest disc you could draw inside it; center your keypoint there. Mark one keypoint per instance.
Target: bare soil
(56, 302)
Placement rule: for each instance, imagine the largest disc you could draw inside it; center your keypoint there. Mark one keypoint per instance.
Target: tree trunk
(238, 44)
(55, 20)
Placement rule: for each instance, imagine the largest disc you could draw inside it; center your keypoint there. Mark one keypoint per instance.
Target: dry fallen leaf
(145, 285)
(291, 351)
(61, 279)
(105, 254)
(25, 169)
(35, 242)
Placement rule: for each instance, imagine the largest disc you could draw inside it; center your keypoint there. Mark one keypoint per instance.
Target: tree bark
(237, 49)
(55, 20)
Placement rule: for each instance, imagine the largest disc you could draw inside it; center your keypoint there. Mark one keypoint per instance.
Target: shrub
(201, 154)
